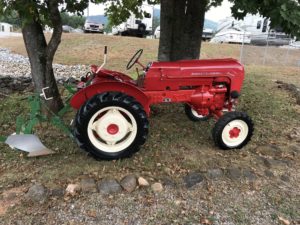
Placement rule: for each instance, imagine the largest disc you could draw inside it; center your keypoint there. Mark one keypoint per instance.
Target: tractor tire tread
(223, 121)
(93, 104)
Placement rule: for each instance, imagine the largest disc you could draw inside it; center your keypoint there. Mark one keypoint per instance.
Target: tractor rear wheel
(233, 130)
(111, 125)
(193, 115)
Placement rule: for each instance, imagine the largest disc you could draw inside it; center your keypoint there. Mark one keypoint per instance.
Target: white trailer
(136, 27)
(233, 36)
(207, 34)
(259, 27)
(6, 28)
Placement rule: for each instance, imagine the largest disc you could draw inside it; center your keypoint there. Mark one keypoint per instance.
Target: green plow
(24, 138)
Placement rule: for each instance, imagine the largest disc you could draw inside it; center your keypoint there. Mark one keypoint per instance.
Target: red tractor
(113, 109)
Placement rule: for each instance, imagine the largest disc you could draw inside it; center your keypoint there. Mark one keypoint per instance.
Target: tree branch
(56, 22)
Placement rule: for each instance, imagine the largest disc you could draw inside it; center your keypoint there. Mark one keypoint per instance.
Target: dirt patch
(292, 88)
(10, 198)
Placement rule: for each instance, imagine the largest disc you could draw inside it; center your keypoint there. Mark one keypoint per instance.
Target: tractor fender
(110, 86)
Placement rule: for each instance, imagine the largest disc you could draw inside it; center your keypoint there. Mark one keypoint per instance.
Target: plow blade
(28, 143)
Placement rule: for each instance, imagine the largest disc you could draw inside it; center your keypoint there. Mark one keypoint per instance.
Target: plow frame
(26, 124)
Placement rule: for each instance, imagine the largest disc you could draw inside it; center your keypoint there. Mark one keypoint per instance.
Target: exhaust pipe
(104, 61)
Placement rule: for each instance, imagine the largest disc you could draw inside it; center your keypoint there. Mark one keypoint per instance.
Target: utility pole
(266, 48)
(242, 47)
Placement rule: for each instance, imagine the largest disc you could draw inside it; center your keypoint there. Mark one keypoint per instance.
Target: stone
(109, 186)
(129, 183)
(37, 193)
(143, 182)
(167, 181)
(214, 174)
(72, 189)
(274, 163)
(178, 202)
(249, 175)
(157, 187)
(88, 185)
(295, 149)
(192, 179)
(168, 171)
(285, 178)
(234, 173)
(295, 134)
(269, 150)
(269, 173)
(57, 192)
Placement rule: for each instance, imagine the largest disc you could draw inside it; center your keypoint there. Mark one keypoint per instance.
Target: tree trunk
(182, 24)
(41, 55)
(166, 30)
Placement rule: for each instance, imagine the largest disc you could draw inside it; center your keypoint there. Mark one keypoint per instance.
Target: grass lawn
(174, 143)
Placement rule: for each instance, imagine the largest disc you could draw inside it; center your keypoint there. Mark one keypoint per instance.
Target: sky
(219, 13)
(214, 14)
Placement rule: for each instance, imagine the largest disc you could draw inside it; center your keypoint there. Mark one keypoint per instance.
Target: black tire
(191, 116)
(141, 30)
(224, 121)
(101, 101)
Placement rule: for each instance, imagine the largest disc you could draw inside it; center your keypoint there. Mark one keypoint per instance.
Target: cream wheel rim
(235, 133)
(112, 129)
(194, 112)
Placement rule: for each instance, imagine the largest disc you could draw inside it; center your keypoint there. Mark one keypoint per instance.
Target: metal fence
(270, 52)
(265, 50)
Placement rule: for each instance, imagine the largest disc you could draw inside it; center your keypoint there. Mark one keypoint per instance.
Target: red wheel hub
(234, 132)
(112, 129)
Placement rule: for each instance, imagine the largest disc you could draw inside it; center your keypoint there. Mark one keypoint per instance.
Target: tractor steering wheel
(134, 59)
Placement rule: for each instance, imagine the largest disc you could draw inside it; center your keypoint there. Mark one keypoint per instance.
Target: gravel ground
(18, 65)
(224, 201)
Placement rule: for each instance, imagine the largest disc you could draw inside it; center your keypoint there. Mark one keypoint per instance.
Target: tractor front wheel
(193, 115)
(111, 125)
(233, 130)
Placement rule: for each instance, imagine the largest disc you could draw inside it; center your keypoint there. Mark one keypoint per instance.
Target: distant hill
(99, 18)
(103, 19)
(210, 24)
(207, 24)
(156, 12)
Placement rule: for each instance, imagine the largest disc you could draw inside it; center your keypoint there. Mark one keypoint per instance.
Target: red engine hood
(192, 72)
(205, 64)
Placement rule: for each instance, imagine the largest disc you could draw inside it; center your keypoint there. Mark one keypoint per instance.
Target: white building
(5, 27)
